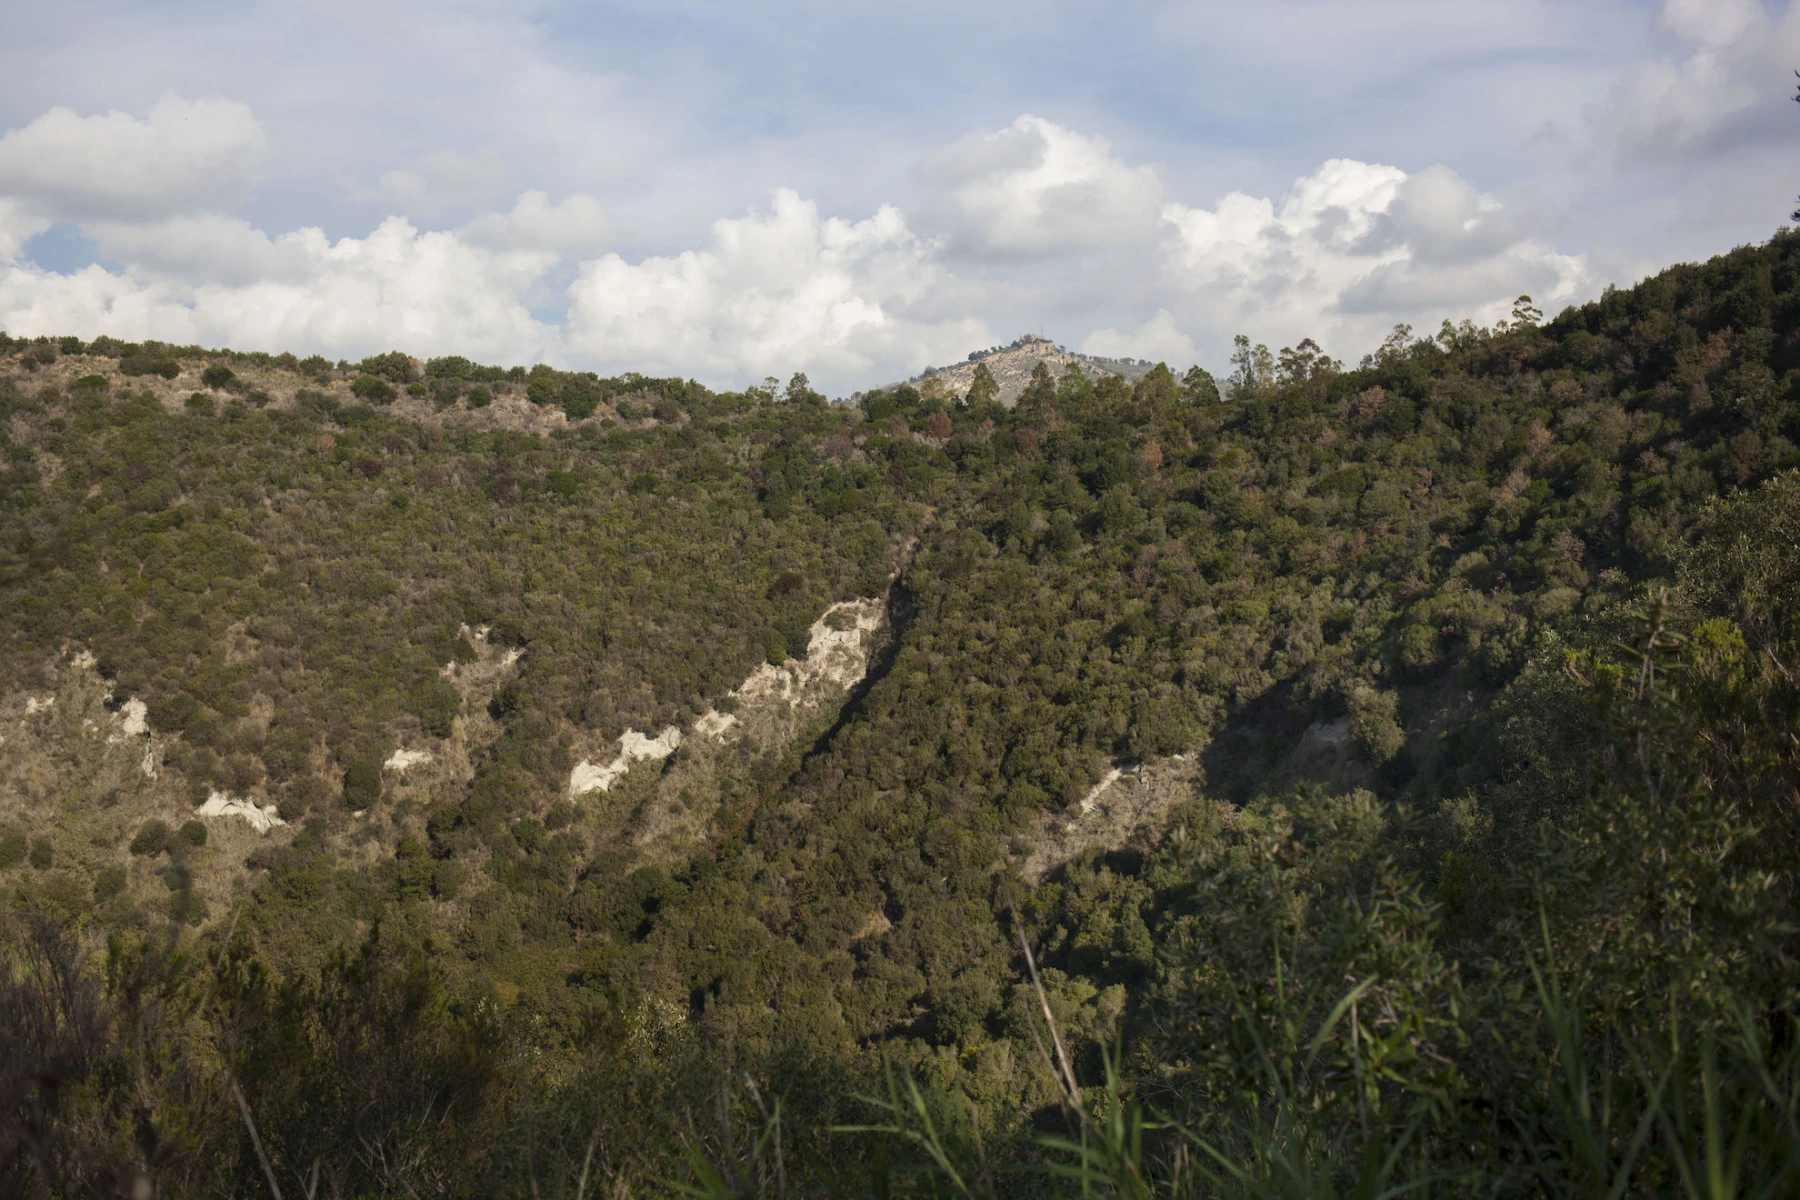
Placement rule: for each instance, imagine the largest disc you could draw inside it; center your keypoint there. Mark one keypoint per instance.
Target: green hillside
(1374, 774)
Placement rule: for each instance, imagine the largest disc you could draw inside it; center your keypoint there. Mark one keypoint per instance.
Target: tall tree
(983, 388)
(1040, 392)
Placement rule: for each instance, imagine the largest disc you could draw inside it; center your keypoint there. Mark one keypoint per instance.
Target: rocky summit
(1011, 366)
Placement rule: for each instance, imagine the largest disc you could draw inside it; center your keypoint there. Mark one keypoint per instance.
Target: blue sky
(729, 191)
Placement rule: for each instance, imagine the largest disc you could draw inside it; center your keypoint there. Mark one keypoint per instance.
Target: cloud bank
(181, 155)
(1348, 250)
(1025, 221)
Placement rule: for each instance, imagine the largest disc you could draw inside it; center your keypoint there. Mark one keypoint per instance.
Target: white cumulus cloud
(1727, 93)
(206, 248)
(574, 225)
(182, 156)
(1159, 339)
(431, 293)
(775, 291)
(1036, 190)
(439, 181)
(1352, 248)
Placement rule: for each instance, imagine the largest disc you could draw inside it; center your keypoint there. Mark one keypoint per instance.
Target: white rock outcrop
(262, 818)
(833, 655)
(134, 718)
(400, 760)
(713, 724)
(1092, 800)
(837, 656)
(633, 746)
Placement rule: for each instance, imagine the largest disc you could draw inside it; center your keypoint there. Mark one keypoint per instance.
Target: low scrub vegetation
(1482, 649)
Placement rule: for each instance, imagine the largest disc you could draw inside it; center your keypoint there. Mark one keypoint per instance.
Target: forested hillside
(1327, 777)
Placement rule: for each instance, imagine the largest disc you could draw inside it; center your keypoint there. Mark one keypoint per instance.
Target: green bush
(373, 388)
(218, 376)
(480, 397)
(1374, 723)
(42, 854)
(448, 878)
(396, 367)
(298, 800)
(193, 833)
(13, 847)
(362, 784)
(580, 396)
(436, 703)
(109, 882)
(453, 367)
(149, 364)
(152, 839)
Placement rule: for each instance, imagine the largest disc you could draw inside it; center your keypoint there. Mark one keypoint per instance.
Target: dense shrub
(373, 388)
(395, 367)
(109, 882)
(362, 784)
(149, 363)
(152, 838)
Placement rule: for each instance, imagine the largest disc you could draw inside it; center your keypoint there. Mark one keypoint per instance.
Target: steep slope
(1142, 632)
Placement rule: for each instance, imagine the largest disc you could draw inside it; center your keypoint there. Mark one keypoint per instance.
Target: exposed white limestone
(400, 760)
(262, 818)
(835, 653)
(1092, 800)
(713, 724)
(134, 718)
(36, 704)
(837, 656)
(633, 746)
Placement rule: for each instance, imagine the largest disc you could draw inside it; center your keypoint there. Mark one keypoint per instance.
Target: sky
(728, 191)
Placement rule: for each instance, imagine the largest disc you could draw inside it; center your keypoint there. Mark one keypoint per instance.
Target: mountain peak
(1011, 366)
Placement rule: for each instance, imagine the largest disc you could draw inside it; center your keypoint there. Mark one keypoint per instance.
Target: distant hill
(1011, 366)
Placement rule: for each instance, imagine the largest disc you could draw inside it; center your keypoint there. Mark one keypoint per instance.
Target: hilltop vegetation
(1003, 372)
(1476, 658)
